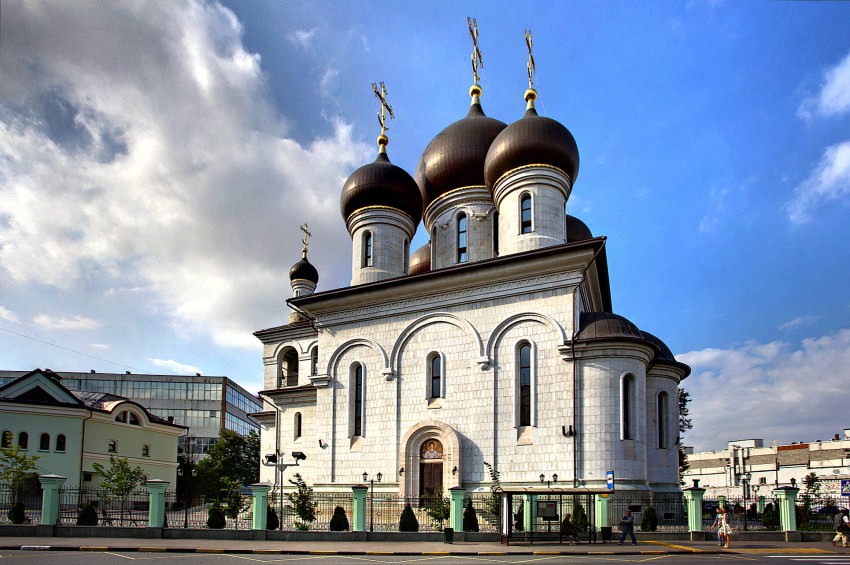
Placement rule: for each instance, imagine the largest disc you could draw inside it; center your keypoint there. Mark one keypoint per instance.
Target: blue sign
(845, 487)
(610, 476)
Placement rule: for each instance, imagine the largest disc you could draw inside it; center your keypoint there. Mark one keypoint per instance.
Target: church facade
(494, 344)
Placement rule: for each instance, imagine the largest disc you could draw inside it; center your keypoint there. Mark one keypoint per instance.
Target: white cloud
(829, 181)
(8, 315)
(175, 367)
(101, 346)
(799, 322)
(171, 171)
(327, 86)
(834, 96)
(75, 323)
(750, 391)
(301, 37)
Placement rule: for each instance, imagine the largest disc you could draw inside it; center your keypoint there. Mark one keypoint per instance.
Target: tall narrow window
(436, 370)
(23, 440)
(358, 400)
(495, 234)
(662, 420)
(367, 249)
(525, 214)
(525, 385)
(112, 446)
(60, 442)
(461, 239)
(7, 439)
(44, 442)
(146, 451)
(627, 398)
(314, 361)
(406, 258)
(297, 425)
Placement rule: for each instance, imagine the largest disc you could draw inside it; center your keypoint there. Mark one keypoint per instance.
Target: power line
(72, 350)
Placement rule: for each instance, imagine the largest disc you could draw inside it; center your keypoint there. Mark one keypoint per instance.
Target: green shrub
(579, 519)
(17, 513)
(408, 522)
(87, 516)
(272, 521)
(649, 520)
(215, 518)
(770, 518)
(470, 518)
(339, 521)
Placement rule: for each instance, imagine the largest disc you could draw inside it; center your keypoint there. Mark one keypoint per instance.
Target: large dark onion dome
(577, 230)
(304, 270)
(455, 157)
(381, 184)
(532, 140)
(420, 260)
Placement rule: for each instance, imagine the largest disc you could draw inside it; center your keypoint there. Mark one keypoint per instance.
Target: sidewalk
(402, 548)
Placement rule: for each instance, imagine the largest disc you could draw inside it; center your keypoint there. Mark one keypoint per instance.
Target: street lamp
(273, 460)
(549, 482)
(188, 494)
(745, 485)
(379, 476)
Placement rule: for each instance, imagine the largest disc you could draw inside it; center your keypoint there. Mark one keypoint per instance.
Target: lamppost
(272, 460)
(548, 482)
(379, 476)
(187, 483)
(745, 485)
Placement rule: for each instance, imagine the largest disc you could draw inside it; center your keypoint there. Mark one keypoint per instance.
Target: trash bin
(606, 533)
(448, 535)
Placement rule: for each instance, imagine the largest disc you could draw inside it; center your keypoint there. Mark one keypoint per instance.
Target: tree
(812, 484)
(685, 424)
(119, 479)
(649, 520)
(234, 503)
(438, 508)
(16, 469)
(408, 522)
(494, 503)
(232, 458)
(579, 517)
(339, 521)
(302, 502)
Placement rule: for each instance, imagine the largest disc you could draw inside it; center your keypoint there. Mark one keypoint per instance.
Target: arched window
(7, 439)
(357, 427)
(113, 446)
(627, 407)
(462, 256)
(60, 442)
(297, 425)
(314, 361)
(406, 257)
(435, 373)
(524, 384)
(525, 214)
(288, 368)
(23, 440)
(146, 451)
(367, 249)
(44, 442)
(663, 416)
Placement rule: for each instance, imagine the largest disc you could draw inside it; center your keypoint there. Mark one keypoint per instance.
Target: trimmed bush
(17, 513)
(519, 520)
(579, 519)
(215, 518)
(408, 522)
(87, 516)
(272, 521)
(470, 518)
(649, 520)
(339, 521)
(770, 518)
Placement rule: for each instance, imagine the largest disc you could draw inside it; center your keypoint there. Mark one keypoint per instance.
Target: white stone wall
(389, 228)
(441, 220)
(662, 463)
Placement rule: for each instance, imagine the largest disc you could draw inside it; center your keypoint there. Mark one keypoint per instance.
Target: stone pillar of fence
(601, 504)
(260, 505)
(456, 520)
(50, 484)
(693, 496)
(761, 504)
(359, 508)
(156, 506)
(787, 512)
(527, 509)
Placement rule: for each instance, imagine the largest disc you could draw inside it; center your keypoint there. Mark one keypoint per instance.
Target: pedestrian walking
(627, 526)
(725, 529)
(842, 528)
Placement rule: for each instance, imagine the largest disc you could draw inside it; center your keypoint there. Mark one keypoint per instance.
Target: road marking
(93, 548)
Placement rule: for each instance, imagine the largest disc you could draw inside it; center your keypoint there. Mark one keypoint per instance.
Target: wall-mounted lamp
(568, 432)
(401, 471)
(454, 470)
(549, 482)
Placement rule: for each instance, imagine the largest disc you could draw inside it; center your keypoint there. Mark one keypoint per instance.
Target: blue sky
(157, 158)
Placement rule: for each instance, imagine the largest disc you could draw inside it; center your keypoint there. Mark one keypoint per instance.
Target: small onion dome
(420, 260)
(606, 325)
(664, 355)
(577, 230)
(381, 184)
(532, 140)
(304, 270)
(455, 157)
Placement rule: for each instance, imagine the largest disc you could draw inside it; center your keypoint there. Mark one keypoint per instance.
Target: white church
(495, 342)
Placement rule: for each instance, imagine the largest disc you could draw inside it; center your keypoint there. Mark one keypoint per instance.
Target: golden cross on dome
(531, 67)
(385, 107)
(477, 61)
(304, 239)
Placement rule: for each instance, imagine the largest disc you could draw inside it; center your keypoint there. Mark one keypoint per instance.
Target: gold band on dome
(302, 280)
(379, 208)
(450, 192)
(538, 165)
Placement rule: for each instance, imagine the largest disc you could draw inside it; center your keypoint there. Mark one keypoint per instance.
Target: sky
(157, 160)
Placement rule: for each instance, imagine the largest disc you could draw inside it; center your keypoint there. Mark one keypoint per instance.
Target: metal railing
(125, 511)
(670, 512)
(31, 501)
(745, 515)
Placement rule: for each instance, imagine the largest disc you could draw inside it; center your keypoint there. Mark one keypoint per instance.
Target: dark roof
(420, 260)
(292, 326)
(455, 157)
(606, 325)
(532, 140)
(303, 269)
(381, 184)
(577, 230)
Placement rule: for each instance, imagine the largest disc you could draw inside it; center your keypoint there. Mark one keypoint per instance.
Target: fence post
(359, 508)
(456, 519)
(260, 493)
(761, 505)
(694, 496)
(601, 504)
(156, 505)
(787, 509)
(527, 509)
(50, 484)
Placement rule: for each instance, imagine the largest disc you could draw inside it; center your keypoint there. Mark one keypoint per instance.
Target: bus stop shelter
(530, 515)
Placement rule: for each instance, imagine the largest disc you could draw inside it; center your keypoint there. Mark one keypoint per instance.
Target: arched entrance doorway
(431, 468)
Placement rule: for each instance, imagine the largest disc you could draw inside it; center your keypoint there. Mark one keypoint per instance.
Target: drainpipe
(83, 450)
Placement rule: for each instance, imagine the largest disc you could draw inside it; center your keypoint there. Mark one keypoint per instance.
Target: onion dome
(577, 230)
(304, 270)
(532, 140)
(420, 260)
(381, 184)
(664, 355)
(606, 325)
(455, 157)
